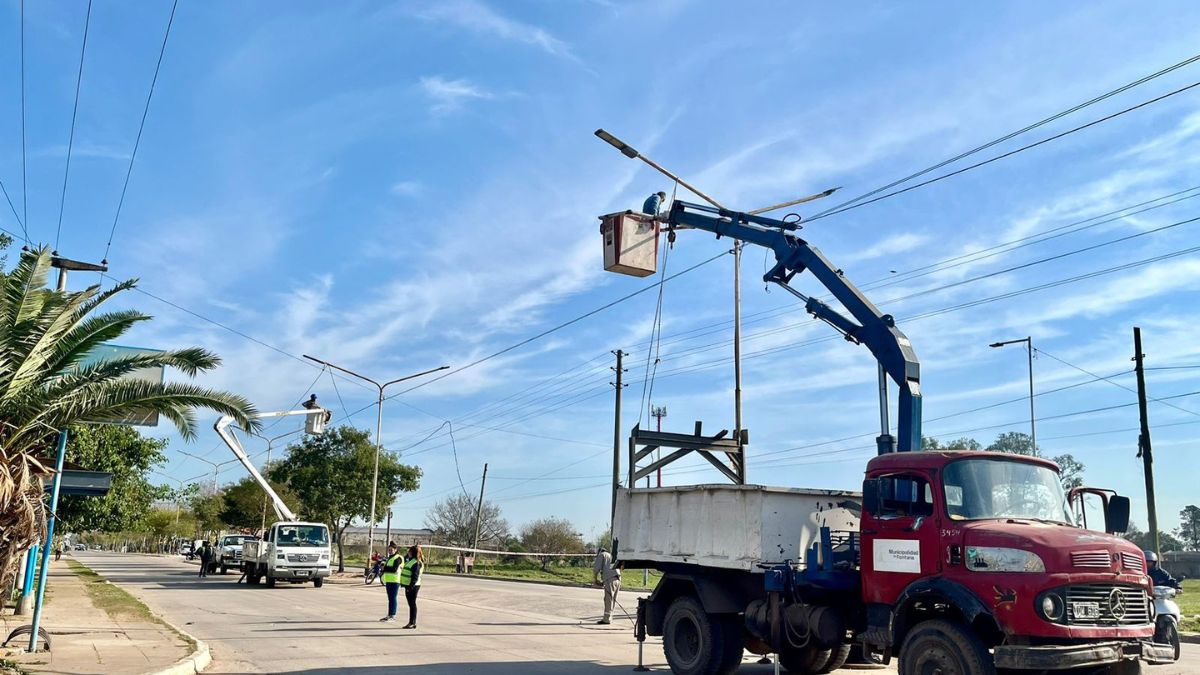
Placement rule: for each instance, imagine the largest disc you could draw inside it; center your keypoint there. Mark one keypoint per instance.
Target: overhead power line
(141, 127)
(1010, 153)
(87, 22)
(855, 201)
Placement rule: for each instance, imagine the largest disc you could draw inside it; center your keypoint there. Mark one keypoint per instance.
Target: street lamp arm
(345, 370)
(409, 377)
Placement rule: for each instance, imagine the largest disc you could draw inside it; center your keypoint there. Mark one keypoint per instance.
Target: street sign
(108, 352)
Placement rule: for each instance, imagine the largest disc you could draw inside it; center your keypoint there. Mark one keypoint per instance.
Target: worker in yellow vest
(391, 579)
(410, 579)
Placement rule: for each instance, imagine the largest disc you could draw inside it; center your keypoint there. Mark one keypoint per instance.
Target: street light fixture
(1029, 346)
(378, 432)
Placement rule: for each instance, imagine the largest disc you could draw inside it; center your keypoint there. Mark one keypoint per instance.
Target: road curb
(196, 662)
(1190, 638)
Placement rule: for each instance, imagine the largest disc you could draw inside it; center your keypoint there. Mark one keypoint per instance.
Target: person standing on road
(59, 551)
(410, 579)
(606, 574)
(391, 579)
(205, 559)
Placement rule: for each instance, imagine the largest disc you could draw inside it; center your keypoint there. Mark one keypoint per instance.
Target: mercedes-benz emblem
(1116, 604)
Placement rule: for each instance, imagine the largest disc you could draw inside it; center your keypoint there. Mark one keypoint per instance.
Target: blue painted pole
(30, 569)
(49, 543)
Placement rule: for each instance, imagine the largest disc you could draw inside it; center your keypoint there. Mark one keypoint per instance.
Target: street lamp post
(1029, 346)
(378, 433)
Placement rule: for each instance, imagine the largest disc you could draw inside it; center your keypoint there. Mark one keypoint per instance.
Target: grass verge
(1189, 606)
(560, 575)
(117, 603)
(8, 667)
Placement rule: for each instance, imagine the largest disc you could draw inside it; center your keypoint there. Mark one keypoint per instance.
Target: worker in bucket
(391, 579)
(608, 575)
(653, 203)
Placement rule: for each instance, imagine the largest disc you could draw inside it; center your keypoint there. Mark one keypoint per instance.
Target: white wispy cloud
(407, 188)
(450, 95)
(479, 18)
(893, 245)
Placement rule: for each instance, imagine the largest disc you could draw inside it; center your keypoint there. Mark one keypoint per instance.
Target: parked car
(80, 547)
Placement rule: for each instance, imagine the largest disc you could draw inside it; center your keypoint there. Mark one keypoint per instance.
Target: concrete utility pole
(479, 511)
(378, 433)
(63, 265)
(1144, 449)
(616, 444)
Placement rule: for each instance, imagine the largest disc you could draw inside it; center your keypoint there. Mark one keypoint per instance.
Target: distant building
(1182, 562)
(403, 537)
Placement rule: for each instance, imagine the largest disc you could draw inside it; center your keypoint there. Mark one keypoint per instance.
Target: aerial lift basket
(630, 243)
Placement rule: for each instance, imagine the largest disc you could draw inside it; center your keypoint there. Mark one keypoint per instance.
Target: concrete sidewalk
(118, 637)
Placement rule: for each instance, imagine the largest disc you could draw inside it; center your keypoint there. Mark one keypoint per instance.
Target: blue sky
(397, 186)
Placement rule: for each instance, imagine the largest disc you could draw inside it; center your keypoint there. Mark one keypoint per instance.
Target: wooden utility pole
(1144, 449)
(479, 510)
(616, 444)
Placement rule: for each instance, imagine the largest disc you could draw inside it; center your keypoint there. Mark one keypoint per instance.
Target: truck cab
(294, 552)
(230, 551)
(988, 541)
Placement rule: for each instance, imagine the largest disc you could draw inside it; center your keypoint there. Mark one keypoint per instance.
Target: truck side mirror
(871, 490)
(1116, 515)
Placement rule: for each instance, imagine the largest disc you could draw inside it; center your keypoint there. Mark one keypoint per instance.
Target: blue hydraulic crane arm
(868, 326)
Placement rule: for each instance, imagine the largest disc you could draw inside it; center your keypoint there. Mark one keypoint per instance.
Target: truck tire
(806, 661)
(694, 642)
(731, 628)
(224, 569)
(944, 647)
(837, 658)
(270, 581)
(318, 582)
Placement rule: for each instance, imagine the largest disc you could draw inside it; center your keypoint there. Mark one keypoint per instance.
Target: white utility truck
(290, 550)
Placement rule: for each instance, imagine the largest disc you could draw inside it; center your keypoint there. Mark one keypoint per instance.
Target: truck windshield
(302, 535)
(233, 541)
(979, 489)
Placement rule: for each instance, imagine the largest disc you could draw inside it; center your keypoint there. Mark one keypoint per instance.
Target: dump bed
(727, 526)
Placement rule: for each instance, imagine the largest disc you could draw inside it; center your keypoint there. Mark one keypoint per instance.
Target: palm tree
(45, 336)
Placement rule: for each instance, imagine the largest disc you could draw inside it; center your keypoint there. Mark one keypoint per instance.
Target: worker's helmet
(661, 194)
(1151, 556)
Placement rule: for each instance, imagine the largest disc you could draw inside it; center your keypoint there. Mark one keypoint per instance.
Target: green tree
(1141, 539)
(245, 502)
(551, 535)
(1017, 443)
(964, 443)
(128, 456)
(206, 512)
(1189, 527)
(331, 475)
(44, 337)
(453, 521)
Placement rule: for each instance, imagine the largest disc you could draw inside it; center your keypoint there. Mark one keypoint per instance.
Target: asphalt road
(466, 625)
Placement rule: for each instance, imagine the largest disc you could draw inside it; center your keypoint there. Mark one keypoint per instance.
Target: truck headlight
(324, 556)
(1052, 607)
(281, 556)
(999, 559)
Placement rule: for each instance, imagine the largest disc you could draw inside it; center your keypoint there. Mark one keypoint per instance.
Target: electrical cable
(87, 22)
(844, 205)
(655, 327)
(141, 127)
(1110, 381)
(16, 216)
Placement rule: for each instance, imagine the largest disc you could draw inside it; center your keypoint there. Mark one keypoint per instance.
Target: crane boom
(222, 427)
(866, 325)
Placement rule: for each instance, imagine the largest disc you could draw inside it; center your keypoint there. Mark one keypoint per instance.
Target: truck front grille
(1099, 559)
(1118, 605)
(1134, 561)
(303, 558)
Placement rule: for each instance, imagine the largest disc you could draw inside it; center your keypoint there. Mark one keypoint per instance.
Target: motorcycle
(1166, 625)
(375, 571)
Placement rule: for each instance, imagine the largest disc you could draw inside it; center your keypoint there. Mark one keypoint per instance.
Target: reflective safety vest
(406, 573)
(391, 563)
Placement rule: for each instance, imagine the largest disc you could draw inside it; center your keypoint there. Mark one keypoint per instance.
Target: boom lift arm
(869, 326)
(315, 425)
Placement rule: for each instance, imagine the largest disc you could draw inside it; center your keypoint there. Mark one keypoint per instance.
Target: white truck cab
(293, 552)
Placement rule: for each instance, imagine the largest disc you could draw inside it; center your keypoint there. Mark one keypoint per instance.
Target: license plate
(305, 573)
(1085, 610)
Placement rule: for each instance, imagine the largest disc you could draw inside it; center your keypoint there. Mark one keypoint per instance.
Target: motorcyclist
(1158, 575)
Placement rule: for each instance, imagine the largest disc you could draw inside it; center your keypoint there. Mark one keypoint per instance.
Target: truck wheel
(270, 582)
(224, 569)
(939, 646)
(318, 582)
(807, 661)
(837, 659)
(735, 644)
(694, 642)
